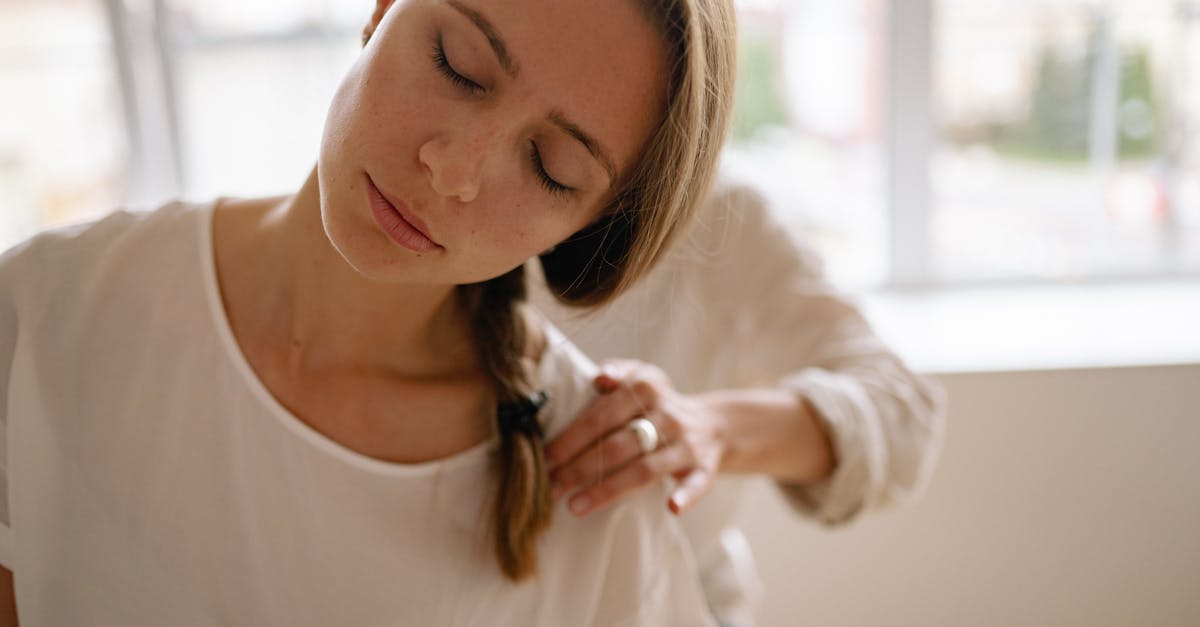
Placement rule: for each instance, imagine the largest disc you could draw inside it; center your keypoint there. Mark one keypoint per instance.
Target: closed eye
(443, 65)
(544, 179)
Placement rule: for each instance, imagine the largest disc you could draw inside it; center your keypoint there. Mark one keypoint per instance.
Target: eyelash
(551, 185)
(535, 157)
(443, 66)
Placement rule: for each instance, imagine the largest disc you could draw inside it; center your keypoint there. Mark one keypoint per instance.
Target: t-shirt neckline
(233, 351)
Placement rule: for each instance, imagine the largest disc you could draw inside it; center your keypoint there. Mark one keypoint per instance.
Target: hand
(598, 457)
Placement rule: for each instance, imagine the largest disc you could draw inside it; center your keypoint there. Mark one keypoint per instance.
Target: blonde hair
(656, 201)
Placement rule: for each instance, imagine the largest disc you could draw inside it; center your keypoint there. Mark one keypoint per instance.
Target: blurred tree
(1060, 112)
(1140, 111)
(757, 104)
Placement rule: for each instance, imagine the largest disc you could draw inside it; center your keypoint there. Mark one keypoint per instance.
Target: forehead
(600, 62)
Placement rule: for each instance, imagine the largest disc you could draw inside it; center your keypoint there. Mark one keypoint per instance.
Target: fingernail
(580, 504)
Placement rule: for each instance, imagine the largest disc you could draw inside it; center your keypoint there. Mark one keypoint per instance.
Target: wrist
(722, 424)
(770, 431)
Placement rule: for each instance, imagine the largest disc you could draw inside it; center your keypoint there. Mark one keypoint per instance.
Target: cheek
(387, 110)
(510, 227)
(518, 231)
(341, 115)
(389, 97)
(544, 221)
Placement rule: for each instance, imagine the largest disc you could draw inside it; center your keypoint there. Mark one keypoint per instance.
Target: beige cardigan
(737, 303)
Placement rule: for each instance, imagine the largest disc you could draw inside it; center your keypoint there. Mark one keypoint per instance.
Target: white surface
(1062, 499)
(1037, 328)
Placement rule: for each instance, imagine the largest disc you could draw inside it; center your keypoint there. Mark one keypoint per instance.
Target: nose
(453, 162)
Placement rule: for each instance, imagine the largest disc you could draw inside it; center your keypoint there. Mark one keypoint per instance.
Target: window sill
(1040, 327)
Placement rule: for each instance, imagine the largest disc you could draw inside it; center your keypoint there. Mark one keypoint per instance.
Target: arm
(801, 335)
(8, 599)
(767, 431)
(773, 432)
(808, 394)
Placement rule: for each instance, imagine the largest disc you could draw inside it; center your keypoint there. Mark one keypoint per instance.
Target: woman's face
(496, 127)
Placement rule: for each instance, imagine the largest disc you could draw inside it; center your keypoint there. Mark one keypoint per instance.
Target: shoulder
(637, 551)
(637, 561)
(652, 577)
(60, 253)
(566, 374)
(67, 275)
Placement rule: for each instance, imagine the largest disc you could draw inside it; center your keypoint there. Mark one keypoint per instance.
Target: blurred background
(1011, 188)
(950, 142)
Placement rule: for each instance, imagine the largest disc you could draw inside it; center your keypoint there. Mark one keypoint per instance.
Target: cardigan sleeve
(794, 329)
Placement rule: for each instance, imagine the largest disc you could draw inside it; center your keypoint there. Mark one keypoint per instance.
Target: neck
(324, 315)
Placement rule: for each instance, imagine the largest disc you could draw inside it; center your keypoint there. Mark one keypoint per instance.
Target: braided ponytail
(657, 200)
(523, 504)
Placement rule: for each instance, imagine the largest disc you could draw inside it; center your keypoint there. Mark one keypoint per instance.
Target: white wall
(1068, 498)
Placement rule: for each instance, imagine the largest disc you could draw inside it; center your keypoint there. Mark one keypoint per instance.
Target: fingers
(619, 369)
(629, 478)
(611, 453)
(598, 456)
(605, 413)
(617, 372)
(607, 381)
(690, 489)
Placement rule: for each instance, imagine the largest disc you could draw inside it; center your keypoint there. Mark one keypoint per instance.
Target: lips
(399, 222)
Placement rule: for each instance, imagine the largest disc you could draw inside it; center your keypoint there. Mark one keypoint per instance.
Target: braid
(523, 503)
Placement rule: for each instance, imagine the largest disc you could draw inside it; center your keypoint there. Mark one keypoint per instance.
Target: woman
(323, 409)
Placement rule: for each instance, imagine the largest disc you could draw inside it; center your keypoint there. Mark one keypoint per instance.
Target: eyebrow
(588, 142)
(493, 37)
(511, 69)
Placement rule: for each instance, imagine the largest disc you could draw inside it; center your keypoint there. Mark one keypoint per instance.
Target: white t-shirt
(149, 477)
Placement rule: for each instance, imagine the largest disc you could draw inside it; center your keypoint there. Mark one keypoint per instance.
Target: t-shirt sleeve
(651, 578)
(32, 276)
(8, 341)
(650, 574)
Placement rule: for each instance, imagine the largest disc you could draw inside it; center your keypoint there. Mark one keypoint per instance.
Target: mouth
(398, 221)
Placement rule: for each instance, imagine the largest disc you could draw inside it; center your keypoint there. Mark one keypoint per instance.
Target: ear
(381, 8)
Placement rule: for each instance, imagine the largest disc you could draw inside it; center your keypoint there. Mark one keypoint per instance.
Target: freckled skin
(461, 161)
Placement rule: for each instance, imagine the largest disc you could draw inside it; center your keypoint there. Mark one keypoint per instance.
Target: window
(63, 145)
(1066, 143)
(923, 142)
(254, 81)
(966, 141)
(808, 130)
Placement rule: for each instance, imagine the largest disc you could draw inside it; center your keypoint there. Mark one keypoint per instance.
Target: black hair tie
(521, 416)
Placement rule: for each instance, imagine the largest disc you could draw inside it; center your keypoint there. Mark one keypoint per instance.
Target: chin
(369, 252)
(357, 242)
